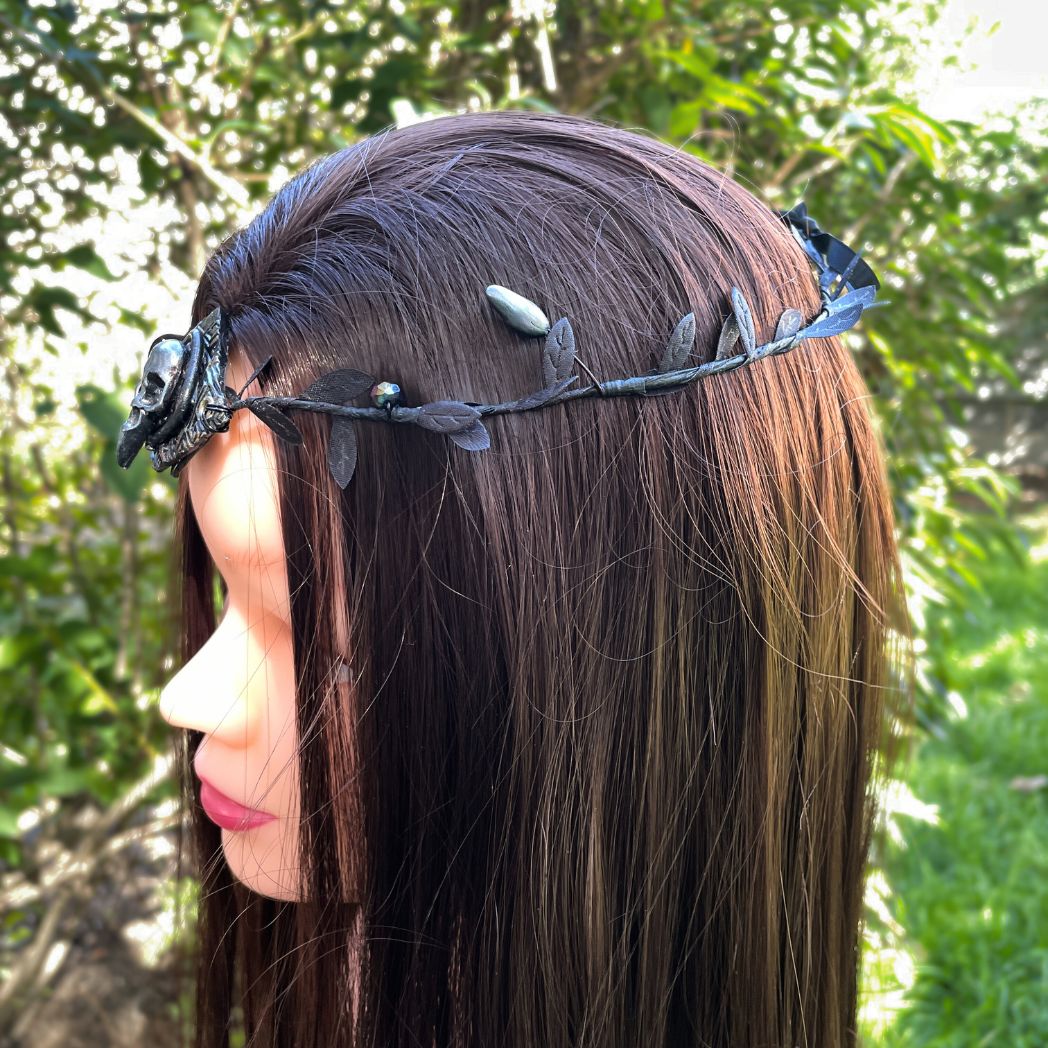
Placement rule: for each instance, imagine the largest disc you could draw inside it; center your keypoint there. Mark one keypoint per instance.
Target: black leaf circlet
(181, 399)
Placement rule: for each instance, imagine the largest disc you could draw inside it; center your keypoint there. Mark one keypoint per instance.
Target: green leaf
(130, 483)
(46, 299)
(83, 256)
(9, 822)
(106, 411)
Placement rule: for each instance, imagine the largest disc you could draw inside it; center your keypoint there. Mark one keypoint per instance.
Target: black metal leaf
(342, 450)
(339, 387)
(558, 355)
(277, 421)
(789, 324)
(729, 335)
(541, 396)
(679, 347)
(744, 318)
(861, 296)
(476, 438)
(254, 374)
(446, 416)
(835, 323)
(231, 394)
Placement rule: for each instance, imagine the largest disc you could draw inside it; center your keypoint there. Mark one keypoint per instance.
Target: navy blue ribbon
(833, 257)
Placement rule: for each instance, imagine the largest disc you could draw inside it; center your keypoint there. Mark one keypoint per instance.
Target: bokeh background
(134, 136)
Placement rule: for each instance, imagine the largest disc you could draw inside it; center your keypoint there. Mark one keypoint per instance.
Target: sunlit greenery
(133, 137)
(970, 873)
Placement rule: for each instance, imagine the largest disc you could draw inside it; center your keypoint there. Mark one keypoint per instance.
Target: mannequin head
(239, 688)
(568, 741)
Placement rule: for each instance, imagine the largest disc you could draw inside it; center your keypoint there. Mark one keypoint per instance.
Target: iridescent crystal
(383, 393)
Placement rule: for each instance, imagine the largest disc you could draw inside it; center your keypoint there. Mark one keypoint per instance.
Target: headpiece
(182, 399)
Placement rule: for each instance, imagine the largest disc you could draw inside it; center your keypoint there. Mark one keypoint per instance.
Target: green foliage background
(211, 106)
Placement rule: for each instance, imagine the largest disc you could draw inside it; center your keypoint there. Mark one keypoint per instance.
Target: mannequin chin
(239, 689)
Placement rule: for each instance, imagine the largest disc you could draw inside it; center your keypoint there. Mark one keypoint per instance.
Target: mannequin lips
(228, 813)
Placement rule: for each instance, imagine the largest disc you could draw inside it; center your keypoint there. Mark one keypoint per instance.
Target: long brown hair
(601, 774)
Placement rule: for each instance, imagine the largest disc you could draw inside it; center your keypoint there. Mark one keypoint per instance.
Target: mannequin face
(239, 689)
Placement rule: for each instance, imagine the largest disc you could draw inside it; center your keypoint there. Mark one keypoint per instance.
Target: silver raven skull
(154, 398)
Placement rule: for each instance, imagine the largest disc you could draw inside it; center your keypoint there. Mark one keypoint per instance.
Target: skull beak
(133, 435)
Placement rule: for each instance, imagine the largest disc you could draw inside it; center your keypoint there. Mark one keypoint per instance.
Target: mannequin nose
(226, 689)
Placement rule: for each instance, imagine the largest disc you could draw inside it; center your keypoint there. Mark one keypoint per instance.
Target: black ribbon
(833, 257)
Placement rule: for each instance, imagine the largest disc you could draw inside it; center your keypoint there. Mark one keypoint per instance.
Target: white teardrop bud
(519, 312)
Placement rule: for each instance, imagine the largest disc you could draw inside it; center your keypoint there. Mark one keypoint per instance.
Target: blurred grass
(970, 890)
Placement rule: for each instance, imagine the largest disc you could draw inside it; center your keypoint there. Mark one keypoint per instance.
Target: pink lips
(228, 813)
